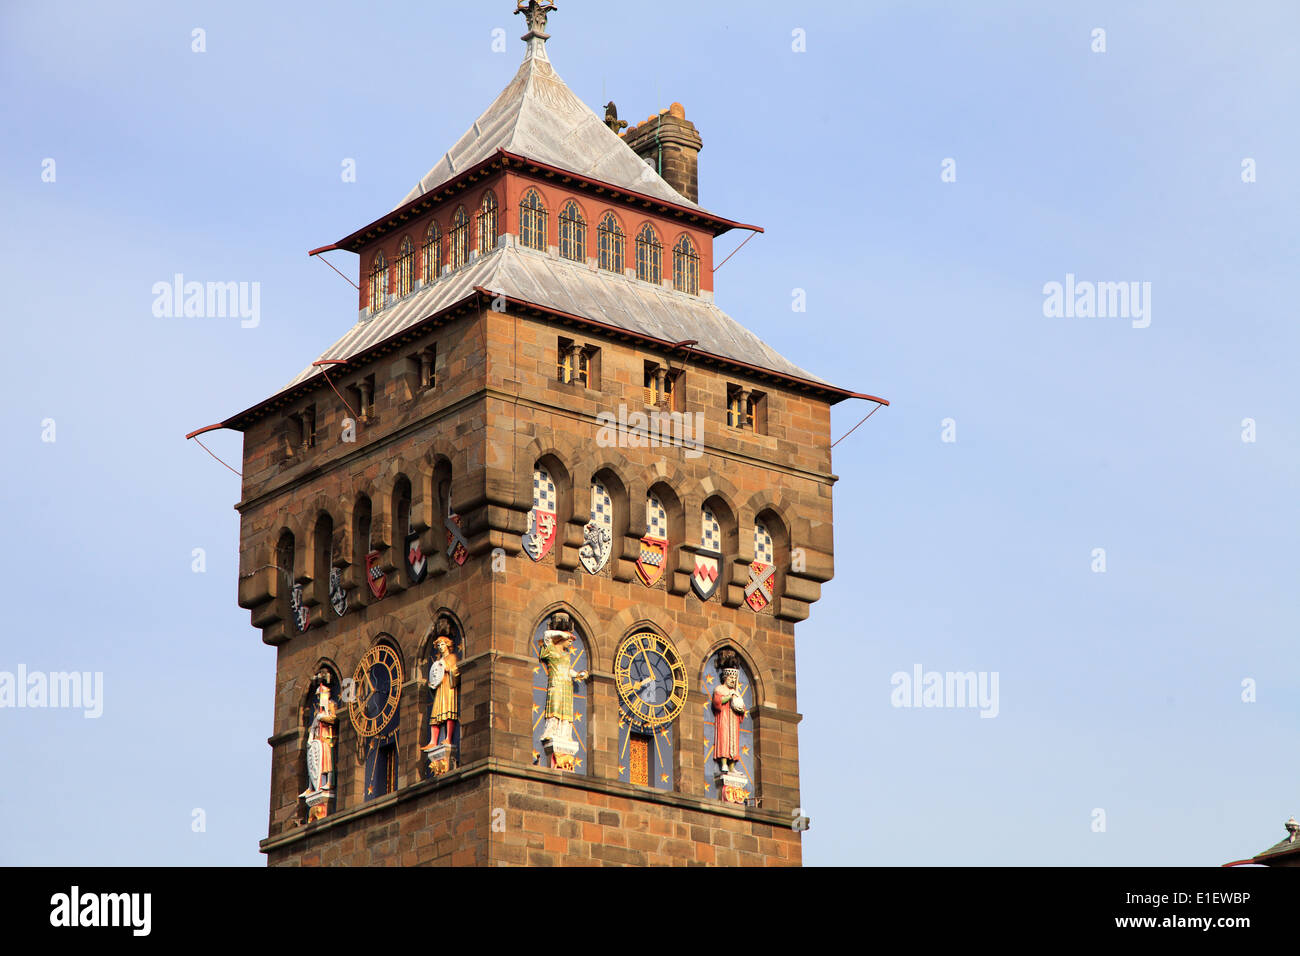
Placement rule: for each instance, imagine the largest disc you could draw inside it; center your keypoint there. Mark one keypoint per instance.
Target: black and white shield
(338, 596)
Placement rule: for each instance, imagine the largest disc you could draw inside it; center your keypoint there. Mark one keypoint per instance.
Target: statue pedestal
(561, 752)
(733, 786)
(318, 804)
(442, 758)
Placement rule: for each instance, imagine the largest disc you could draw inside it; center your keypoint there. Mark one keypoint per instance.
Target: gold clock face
(651, 679)
(377, 687)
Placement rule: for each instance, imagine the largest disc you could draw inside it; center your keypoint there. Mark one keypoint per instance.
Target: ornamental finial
(535, 12)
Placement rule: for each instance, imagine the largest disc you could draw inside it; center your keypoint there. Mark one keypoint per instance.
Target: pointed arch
(532, 221)
(573, 232)
(405, 267)
(610, 243)
(459, 236)
(431, 254)
(686, 266)
(487, 223)
(649, 255)
(378, 283)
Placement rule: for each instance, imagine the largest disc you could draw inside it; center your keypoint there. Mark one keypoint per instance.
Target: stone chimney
(671, 145)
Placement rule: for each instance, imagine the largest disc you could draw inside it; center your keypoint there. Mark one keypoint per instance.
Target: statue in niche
(556, 651)
(320, 748)
(444, 684)
(728, 711)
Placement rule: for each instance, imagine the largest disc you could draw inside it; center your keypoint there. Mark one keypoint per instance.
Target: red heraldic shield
(650, 565)
(375, 577)
(457, 545)
(758, 593)
(542, 521)
(541, 534)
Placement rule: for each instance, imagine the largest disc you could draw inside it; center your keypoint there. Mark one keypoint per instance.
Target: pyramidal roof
(539, 117)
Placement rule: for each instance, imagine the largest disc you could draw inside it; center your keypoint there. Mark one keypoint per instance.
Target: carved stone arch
(418, 471)
(558, 446)
(662, 471)
(457, 608)
(613, 471)
(401, 635)
(384, 531)
(289, 532)
(584, 462)
(717, 484)
(750, 651)
(557, 597)
(726, 509)
(320, 505)
(441, 467)
(356, 549)
(665, 622)
(758, 503)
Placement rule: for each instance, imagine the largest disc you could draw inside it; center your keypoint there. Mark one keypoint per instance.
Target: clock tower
(531, 538)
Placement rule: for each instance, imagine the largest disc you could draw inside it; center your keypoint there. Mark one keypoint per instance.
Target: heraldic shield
(708, 559)
(541, 520)
(762, 571)
(457, 543)
(654, 546)
(301, 613)
(599, 532)
(417, 564)
(375, 577)
(338, 596)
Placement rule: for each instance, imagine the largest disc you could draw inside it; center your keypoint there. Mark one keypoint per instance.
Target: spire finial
(535, 12)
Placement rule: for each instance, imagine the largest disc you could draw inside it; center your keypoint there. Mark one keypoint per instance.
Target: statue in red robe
(728, 711)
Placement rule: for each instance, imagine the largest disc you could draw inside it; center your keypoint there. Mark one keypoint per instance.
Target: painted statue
(728, 711)
(555, 651)
(320, 745)
(444, 684)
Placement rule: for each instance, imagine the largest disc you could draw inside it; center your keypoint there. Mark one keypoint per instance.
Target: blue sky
(1119, 690)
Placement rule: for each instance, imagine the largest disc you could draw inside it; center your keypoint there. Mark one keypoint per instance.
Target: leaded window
(432, 253)
(686, 267)
(609, 240)
(378, 282)
(649, 256)
(406, 267)
(487, 224)
(573, 233)
(459, 238)
(532, 221)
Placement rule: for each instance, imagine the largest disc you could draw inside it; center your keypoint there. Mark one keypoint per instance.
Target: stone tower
(546, 501)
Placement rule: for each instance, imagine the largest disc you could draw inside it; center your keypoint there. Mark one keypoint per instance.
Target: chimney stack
(671, 145)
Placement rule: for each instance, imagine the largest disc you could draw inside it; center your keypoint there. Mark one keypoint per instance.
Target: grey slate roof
(578, 289)
(538, 116)
(1285, 846)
